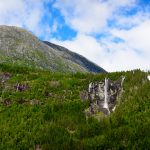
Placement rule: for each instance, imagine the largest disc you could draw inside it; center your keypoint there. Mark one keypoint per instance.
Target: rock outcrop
(103, 96)
(4, 77)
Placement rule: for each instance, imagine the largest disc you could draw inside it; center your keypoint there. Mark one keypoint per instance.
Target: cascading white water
(106, 95)
(90, 86)
(148, 77)
(122, 80)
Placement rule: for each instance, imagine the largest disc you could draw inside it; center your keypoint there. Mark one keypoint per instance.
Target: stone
(35, 102)
(38, 147)
(21, 87)
(4, 77)
(103, 95)
(7, 102)
(84, 95)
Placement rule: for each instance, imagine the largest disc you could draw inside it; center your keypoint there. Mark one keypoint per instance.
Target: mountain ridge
(21, 47)
(79, 59)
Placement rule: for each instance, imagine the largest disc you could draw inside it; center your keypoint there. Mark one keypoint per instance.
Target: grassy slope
(59, 122)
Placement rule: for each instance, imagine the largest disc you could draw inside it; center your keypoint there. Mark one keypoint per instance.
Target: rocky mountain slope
(80, 60)
(21, 47)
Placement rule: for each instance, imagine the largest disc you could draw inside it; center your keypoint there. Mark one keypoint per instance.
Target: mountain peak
(21, 47)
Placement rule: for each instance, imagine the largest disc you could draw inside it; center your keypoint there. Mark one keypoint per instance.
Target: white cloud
(84, 45)
(132, 53)
(89, 16)
(24, 13)
(131, 20)
(137, 38)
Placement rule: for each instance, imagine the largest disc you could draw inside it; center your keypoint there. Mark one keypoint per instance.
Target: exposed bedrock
(103, 95)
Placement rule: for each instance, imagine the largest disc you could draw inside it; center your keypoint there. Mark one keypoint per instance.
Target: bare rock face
(84, 95)
(103, 95)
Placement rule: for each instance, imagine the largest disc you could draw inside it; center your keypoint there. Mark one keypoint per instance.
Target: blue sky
(112, 33)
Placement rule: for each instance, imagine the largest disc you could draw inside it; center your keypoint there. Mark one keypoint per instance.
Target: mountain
(51, 110)
(18, 46)
(78, 59)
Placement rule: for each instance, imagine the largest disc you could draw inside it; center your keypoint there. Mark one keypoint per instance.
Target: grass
(58, 121)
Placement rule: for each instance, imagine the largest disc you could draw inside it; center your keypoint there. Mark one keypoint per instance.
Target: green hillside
(43, 110)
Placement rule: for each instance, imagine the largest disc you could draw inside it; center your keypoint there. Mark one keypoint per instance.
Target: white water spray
(90, 86)
(123, 78)
(148, 77)
(106, 95)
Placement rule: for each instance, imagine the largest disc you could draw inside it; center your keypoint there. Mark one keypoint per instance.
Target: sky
(115, 34)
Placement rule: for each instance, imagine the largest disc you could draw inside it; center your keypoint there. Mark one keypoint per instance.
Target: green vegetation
(49, 114)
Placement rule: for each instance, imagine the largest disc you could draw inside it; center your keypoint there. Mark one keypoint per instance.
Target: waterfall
(90, 87)
(106, 95)
(148, 77)
(103, 95)
(122, 80)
